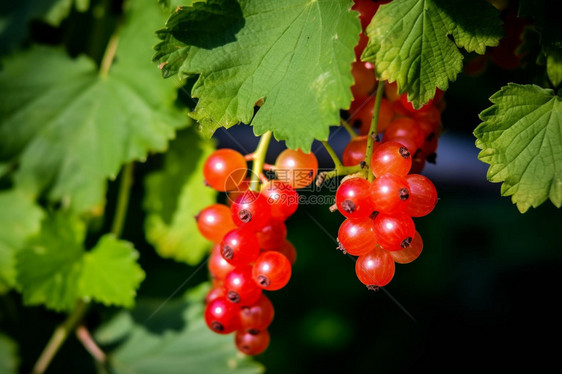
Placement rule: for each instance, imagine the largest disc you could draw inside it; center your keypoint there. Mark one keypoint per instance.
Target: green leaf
(295, 55)
(9, 360)
(416, 42)
(19, 219)
(521, 139)
(110, 273)
(55, 270)
(194, 347)
(174, 196)
(49, 268)
(73, 128)
(62, 8)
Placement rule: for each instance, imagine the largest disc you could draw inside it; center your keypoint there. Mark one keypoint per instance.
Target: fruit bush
(165, 165)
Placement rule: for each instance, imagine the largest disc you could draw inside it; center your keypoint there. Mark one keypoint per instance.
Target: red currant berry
(214, 293)
(251, 209)
(225, 169)
(296, 168)
(355, 151)
(222, 316)
(272, 234)
(407, 255)
(391, 157)
(394, 232)
(357, 236)
(251, 344)
(405, 127)
(423, 195)
(240, 246)
(390, 193)
(240, 288)
(214, 222)
(258, 316)
(217, 265)
(364, 79)
(352, 198)
(282, 198)
(376, 268)
(272, 270)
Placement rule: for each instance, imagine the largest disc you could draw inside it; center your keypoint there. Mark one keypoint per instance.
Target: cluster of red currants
(251, 252)
(379, 228)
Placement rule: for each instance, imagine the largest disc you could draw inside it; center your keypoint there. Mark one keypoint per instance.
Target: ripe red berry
(390, 193)
(257, 316)
(217, 265)
(357, 236)
(214, 222)
(296, 168)
(214, 293)
(272, 270)
(405, 127)
(354, 151)
(240, 288)
(222, 316)
(240, 246)
(375, 268)
(225, 169)
(391, 157)
(407, 255)
(251, 210)
(282, 198)
(251, 344)
(353, 198)
(272, 234)
(423, 195)
(364, 79)
(394, 232)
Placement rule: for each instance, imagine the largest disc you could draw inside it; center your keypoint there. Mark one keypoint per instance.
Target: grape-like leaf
(415, 42)
(72, 127)
(55, 270)
(110, 272)
(294, 55)
(521, 139)
(174, 196)
(19, 219)
(9, 360)
(49, 268)
(194, 347)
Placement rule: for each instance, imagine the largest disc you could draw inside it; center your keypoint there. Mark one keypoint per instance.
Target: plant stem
(333, 155)
(59, 336)
(373, 131)
(109, 54)
(88, 342)
(259, 160)
(122, 199)
(348, 127)
(343, 170)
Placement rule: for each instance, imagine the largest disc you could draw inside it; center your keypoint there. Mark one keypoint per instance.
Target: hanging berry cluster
(251, 252)
(379, 228)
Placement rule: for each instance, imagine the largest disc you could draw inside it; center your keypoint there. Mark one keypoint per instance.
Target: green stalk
(122, 204)
(59, 336)
(259, 160)
(373, 131)
(333, 155)
(348, 128)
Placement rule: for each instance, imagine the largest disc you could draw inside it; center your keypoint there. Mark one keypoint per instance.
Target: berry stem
(259, 160)
(373, 131)
(348, 127)
(84, 336)
(337, 163)
(344, 170)
(59, 336)
(109, 54)
(122, 199)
